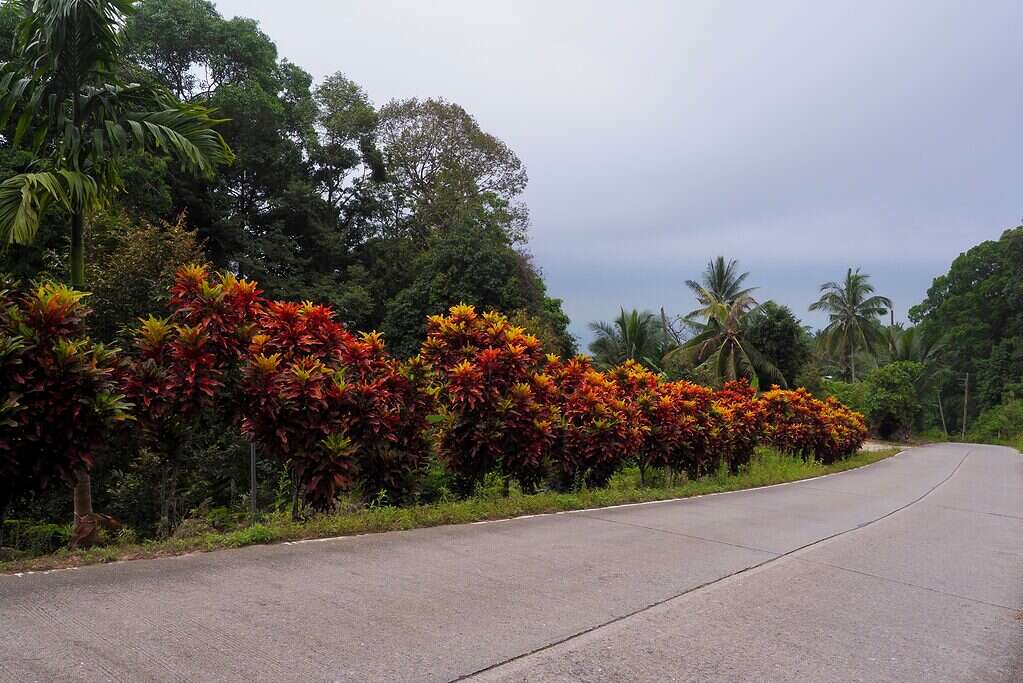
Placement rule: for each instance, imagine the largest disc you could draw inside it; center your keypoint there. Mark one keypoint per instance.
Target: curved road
(907, 570)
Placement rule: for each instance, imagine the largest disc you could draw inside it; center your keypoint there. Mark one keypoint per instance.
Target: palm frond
(24, 198)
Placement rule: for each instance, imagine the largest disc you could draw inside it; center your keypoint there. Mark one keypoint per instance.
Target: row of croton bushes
(340, 411)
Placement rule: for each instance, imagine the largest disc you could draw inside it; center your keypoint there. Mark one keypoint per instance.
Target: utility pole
(252, 482)
(941, 411)
(966, 398)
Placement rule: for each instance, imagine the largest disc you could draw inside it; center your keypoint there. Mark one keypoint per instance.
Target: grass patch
(767, 467)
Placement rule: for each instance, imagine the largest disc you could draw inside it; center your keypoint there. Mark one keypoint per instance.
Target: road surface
(910, 569)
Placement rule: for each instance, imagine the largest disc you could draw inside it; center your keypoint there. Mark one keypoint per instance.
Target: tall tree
(633, 335)
(781, 338)
(977, 308)
(68, 61)
(853, 313)
(442, 166)
(721, 282)
(722, 349)
(64, 91)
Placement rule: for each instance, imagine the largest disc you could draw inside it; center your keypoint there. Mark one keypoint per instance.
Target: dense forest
(393, 217)
(386, 213)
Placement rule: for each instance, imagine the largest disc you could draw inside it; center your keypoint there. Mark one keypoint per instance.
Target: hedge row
(339, 410)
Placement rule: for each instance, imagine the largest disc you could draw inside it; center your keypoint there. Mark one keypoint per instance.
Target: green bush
(852, 394)
(892, 402)
(1000, 424)
(34, 537)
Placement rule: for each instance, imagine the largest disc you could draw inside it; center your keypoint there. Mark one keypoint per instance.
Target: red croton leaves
(601, 426)
(798, 423)
(496, 397)
(739, 423)
(58, 389)
(182, 362)
(335, 406)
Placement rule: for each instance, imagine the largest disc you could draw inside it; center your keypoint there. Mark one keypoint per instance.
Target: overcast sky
(798, 137)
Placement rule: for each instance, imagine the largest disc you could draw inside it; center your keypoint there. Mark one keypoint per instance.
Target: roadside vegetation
(195, 232)
(220, 528)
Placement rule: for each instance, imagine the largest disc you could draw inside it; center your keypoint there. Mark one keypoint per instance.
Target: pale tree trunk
(83, 482)
(83, 495)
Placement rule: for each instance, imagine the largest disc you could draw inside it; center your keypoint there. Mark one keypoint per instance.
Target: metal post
(252, 481)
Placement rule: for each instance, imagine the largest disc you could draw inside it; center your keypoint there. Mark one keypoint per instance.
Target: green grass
(768, 467)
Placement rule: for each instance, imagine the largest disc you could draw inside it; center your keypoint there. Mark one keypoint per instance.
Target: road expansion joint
(908, 584)
(707, 584)
(681, 534)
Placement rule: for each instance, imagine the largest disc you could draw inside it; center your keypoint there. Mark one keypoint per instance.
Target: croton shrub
(600, 424)
(800, 424)
(336, 407)
(498, 407)
(59, 393)
(343, 414)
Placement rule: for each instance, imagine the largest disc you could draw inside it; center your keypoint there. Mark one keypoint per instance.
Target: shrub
(334, 406)
(496, 398)
(676, 419)
(599, 429)
(851, 394)
(798, 423)
(892, 404)
(183, 365)
(999, 424)
(58, 391)
(739, 417)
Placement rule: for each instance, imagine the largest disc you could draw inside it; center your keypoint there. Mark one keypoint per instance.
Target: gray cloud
(798, 137)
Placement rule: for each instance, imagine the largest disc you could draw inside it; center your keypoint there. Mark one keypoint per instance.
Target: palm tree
(721, 347)
(722, 282)
(853, 311)
(911, 344)
(635, 335)
(64, 97)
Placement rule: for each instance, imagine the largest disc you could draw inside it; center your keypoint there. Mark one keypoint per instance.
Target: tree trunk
(83, 482)
(941, 411)
(852, 365)
(78, 251)
(83, 495)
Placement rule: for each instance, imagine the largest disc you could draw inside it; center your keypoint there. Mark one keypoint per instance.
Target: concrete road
(907, 570)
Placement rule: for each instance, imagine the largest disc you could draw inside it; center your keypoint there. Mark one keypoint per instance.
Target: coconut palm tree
(63, 96)
(853, 312)
(721, 348)
(633, 335)
(721, 282)
(911, 344)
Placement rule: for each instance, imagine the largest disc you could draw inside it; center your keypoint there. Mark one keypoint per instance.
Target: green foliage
(34, 537)
(721, 282)
(471, 262)
(999, 424)
(721, 349)
(132, 267)
(853, 311)
(778, 335)
(976, 309)
(69, 54)
(891, 401)
(851, 394)
(636, 336)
